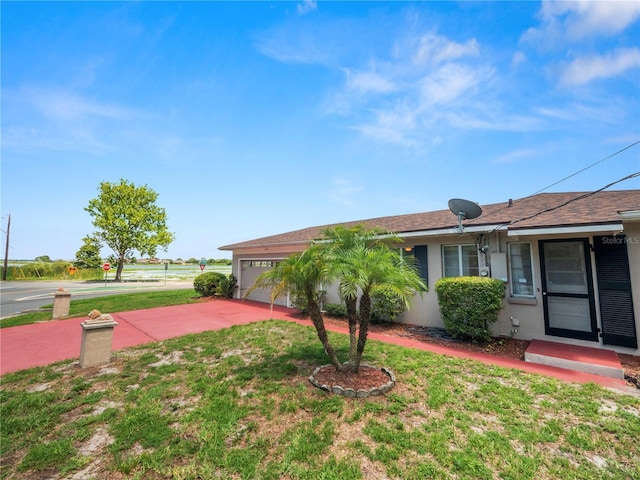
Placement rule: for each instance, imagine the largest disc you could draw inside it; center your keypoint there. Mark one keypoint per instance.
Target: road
(21, 296)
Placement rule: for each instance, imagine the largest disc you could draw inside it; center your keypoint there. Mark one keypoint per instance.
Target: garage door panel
(250, 270)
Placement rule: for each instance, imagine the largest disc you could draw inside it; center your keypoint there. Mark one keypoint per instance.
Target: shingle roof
(544, 210)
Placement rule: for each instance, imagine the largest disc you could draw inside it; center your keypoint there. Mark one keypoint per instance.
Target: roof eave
(608, 227)
(453, 230)
(240, 246)
(630, 215)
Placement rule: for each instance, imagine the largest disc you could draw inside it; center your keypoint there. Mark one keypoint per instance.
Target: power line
(569, 176)
(579, 197)
(564, 204)
(587, 167)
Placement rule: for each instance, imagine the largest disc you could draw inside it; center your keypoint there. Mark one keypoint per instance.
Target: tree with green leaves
(361, 261)
(365, 262)
(88, 255)
(303, 273)
(127, 220)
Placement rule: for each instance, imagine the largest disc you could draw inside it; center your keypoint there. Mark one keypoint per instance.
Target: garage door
(249, 271)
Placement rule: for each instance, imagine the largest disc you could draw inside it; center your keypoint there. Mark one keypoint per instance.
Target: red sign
(202, 267)
(106, 267)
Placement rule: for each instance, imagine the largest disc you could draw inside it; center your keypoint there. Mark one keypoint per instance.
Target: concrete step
(572, 357)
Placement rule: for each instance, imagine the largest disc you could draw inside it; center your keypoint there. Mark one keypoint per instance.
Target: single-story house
(570, 263)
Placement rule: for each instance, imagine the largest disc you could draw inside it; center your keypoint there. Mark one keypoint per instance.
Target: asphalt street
(26, 296)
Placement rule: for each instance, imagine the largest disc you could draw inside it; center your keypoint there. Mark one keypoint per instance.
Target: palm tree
(304, 273)
(338, 244)
(361, 261)
(364, 261)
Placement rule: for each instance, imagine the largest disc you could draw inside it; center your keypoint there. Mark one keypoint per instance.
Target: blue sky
(256, 118)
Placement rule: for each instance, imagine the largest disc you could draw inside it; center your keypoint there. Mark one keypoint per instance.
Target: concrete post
(61, 302)
(97, 337)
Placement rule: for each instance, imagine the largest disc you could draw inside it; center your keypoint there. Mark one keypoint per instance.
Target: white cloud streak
(420, 85)
(67, 106)
(436, 50)
(369, 82)
(306, 7)
(586, 69)
(515, 156)
(343, 191)
(575, 21)
(396, 99)
(589, 18)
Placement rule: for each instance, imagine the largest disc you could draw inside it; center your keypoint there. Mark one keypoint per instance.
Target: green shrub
(227, 286)
(58, 270)
(336, 310)
(215, 284)
(206, 284)
(386, 305)
(469, 304)
(299, 301)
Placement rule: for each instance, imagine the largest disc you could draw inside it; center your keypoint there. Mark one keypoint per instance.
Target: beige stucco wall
(528, 312)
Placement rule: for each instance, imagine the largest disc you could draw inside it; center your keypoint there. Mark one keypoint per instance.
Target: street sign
(203, 263)
(106, 267)
(72, 270)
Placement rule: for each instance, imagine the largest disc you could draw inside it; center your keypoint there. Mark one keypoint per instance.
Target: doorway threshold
(573, 357)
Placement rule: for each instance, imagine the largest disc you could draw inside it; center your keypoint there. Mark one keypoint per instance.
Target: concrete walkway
(45, 343)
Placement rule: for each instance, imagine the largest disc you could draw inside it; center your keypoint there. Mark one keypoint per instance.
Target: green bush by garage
(215, 284)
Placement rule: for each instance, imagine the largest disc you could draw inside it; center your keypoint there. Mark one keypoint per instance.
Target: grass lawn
(237, 404)
(110, 304)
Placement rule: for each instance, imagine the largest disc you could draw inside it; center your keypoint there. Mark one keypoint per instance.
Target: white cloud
(415, 86)
(583, 70)
(514, 156)
(306, 6)
(343, 190)
(450, 82)
(518, 59)
(587, 18)
(369, 82)
(556, 113)
(396, 125)
(67, 106)
(582, 19)
(422, 71)
(437, 49)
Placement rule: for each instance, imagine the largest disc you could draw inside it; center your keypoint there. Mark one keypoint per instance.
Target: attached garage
(249, 271)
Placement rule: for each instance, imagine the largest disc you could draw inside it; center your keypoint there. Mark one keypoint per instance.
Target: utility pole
(6, 251)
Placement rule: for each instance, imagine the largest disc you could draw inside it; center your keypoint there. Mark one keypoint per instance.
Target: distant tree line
(88, 256)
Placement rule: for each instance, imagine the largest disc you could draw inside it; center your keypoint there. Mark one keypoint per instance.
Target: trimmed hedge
(386, 305)
(469, 304)
(337, 310)
(215, 284)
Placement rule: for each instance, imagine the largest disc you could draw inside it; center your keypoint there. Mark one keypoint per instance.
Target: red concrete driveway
(45, 343)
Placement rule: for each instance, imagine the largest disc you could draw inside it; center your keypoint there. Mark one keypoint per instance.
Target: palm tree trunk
(318, 323)
(365, 317)
(352, 315)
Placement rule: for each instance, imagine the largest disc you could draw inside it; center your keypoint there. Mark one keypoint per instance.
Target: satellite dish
(464, 210)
